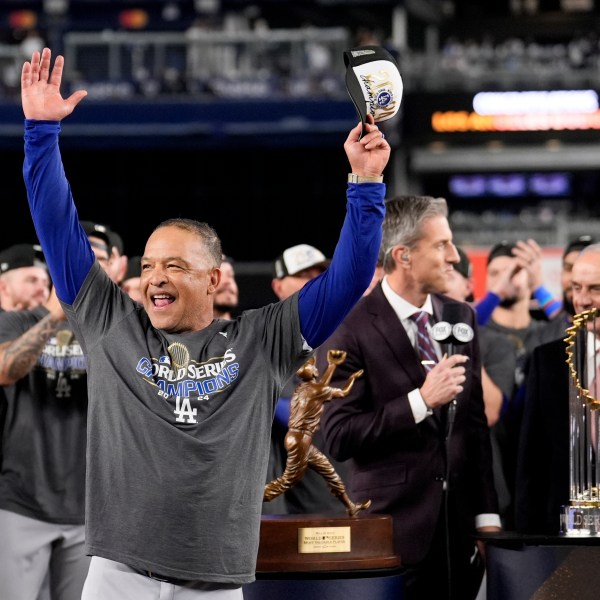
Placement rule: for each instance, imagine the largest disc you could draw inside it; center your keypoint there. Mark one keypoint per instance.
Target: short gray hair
(591, 248)
(404, 218)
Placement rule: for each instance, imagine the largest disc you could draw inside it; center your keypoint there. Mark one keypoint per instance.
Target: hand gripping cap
(373, 82)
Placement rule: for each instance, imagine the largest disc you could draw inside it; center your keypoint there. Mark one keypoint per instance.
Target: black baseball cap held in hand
(374, 83)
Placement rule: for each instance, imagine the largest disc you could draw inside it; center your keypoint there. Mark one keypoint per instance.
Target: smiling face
(178, 280)
(585, 282)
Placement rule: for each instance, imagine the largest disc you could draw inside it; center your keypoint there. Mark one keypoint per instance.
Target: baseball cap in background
(298, 258)
(374, 83)
(463, 266)
(21, 255)
(578, 244)
(116, 241)
(99, 231)
(502, 248)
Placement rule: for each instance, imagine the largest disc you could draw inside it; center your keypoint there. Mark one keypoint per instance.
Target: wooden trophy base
(311, 542)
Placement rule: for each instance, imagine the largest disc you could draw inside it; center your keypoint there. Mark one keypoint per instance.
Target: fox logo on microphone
(462, 332)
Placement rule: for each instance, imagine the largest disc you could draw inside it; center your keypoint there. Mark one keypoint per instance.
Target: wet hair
(204, 231)
(404, 218)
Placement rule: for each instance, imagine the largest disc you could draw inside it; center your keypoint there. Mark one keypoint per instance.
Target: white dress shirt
(404, 310)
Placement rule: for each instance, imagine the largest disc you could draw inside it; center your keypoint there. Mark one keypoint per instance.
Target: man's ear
(214, 279)
(276, 287)
(401, 255)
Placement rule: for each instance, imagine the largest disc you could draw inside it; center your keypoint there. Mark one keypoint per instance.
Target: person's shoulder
(32, 315)
(552, 347)
(493, 336)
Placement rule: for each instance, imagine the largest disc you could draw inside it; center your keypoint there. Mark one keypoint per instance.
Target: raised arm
(325, 300)
(55, 218)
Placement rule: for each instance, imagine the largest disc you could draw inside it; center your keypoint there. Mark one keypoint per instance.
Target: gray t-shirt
(179, 429)
(44, 432)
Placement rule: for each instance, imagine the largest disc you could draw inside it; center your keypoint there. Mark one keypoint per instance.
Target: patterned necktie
(424, 344)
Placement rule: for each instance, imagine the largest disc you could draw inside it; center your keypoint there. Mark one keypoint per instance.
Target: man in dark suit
(542, 481)
(395, 424)
(542, 485)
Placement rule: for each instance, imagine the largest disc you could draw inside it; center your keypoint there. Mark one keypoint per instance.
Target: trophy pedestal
(312, 557)
(582, 520)
(313, 543)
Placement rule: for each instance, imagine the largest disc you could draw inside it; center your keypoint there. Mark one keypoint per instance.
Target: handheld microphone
(451, 330)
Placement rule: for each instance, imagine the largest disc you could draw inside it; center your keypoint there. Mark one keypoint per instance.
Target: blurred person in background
(543, 466)
(131, 280)
(117, 260)
(42, 490)
(24, 279)
(227, 292)
(516, 270)
(24, 284)
(500, 287)
(565, 317)
(498, 363)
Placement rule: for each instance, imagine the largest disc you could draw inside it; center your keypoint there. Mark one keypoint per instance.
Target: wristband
(547, 302)
(352, 178)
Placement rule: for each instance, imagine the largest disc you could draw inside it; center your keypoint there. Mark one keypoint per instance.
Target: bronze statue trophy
(319, 542)
(306, 409)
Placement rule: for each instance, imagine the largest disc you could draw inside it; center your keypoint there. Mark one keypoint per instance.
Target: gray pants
(37, 557)
(108, 579)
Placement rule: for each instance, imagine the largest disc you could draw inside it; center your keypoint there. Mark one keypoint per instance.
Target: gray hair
(591, 248)
(404, 218)
(204, 231)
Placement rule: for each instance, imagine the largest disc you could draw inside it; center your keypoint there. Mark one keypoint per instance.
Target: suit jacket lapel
(394, 336)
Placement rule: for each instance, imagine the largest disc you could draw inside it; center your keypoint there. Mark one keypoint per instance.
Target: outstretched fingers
(57, 71)
(26, 75)
(43, 69)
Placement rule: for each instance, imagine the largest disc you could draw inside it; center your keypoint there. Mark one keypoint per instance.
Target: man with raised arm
(180, 404)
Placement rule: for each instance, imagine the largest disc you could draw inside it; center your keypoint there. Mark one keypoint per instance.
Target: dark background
(259, 201)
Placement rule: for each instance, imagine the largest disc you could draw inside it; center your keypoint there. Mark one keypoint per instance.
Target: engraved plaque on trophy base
(583, 520)
(325, 543)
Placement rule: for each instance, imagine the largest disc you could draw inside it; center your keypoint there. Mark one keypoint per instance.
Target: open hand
(529, 257)
(40, 89)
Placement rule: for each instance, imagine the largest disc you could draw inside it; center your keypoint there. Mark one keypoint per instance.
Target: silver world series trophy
(581, 517)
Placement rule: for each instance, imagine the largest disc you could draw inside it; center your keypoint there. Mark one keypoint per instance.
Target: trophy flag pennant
(374, 82)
